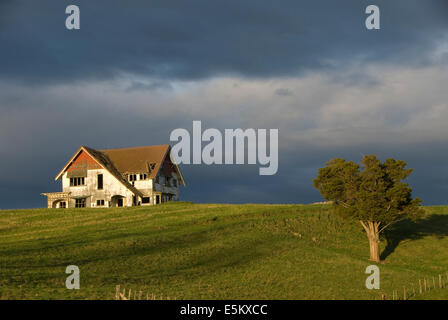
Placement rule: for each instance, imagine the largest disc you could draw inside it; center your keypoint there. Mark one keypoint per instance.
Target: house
(117, 178)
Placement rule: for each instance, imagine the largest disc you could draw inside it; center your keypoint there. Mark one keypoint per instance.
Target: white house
(117, 178)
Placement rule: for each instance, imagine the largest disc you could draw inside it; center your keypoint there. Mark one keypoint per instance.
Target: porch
(57, 199)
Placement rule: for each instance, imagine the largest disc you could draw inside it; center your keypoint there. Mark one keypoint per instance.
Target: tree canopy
(373, 193)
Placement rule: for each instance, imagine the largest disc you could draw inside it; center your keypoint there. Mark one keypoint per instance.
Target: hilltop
(213, 251)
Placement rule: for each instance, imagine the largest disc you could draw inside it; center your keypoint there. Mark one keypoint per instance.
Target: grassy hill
(213, 251)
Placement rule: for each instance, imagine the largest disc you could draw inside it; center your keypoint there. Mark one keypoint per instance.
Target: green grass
(213, 251)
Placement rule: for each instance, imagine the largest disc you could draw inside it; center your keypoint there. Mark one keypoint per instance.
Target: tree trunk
(371, 228)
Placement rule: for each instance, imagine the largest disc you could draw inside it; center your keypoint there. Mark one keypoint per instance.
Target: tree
(373, 193)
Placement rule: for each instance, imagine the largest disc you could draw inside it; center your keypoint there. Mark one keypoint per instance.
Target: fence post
(404, 293)
(434, 282)
(420, 285)
(117, 292)
(440, 281)
(129, 295)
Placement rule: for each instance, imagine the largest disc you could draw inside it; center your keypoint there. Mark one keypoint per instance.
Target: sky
(137, 70)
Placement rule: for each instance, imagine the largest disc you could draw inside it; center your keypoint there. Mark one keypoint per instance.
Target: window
(132, 177)
(100, 203)
(80, 203)
(77, 181)
(100, 182)
(143, 176)
(145, 200)
(62, 204)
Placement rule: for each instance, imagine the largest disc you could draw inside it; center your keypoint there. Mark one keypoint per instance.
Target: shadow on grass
(431, 225)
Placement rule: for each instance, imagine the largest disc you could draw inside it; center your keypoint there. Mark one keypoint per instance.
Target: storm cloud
(200, 38)
(135, 72)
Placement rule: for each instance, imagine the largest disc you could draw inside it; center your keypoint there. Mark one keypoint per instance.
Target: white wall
(113, 187)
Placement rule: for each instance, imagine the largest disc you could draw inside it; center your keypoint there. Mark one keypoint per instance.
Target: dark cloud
(202, 38)
(151, 86)
(152, 44)
(285, 92)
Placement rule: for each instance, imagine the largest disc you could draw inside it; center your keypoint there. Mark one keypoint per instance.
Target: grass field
(213, 251)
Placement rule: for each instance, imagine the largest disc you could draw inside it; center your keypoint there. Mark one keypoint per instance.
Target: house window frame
(100, 186)
(81, 203)
(77, 181)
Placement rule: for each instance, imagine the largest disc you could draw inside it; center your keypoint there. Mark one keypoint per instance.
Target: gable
(168, 167)
(82, 162)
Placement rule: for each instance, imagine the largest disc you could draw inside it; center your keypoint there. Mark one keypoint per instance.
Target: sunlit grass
(212, 251)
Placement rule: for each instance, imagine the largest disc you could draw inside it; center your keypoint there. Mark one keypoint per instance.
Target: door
(119, 202)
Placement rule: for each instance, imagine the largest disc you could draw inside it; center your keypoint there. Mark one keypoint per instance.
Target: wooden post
(117, 292)
(434, 282)
(135, 292)
(404, 293)
(440, 281)
(420, 285)
(424, 281)
(140, 295)
(129, 295)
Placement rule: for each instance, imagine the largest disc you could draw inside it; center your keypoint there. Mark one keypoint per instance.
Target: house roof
(120, 162)
(138, 160)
